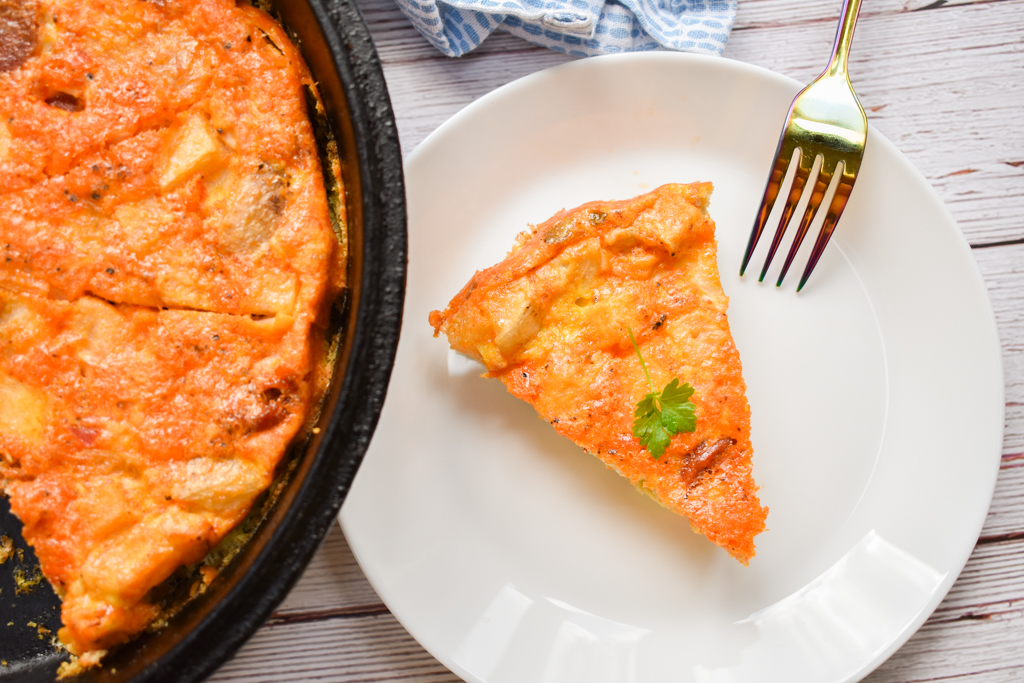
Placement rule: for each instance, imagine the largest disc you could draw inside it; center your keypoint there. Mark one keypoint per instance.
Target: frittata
(167, 259)
(553, 321)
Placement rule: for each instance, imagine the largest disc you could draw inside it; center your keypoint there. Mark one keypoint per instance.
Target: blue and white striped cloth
(577, 27)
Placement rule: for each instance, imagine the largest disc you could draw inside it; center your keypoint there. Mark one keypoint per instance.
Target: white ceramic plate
(876, 394)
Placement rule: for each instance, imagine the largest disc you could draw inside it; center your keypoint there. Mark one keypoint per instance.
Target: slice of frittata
(553, 322)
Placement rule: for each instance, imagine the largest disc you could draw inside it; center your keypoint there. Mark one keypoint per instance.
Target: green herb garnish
(659, 415)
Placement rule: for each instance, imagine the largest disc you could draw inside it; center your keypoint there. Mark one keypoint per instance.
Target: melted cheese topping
(551, 321)
(166, 251)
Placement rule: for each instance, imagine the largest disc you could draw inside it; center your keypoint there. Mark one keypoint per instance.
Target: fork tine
(771, 192)
(835, 210)
(803, 171)
(821, 184)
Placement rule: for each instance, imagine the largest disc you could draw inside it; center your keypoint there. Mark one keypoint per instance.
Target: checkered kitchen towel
(577, 27)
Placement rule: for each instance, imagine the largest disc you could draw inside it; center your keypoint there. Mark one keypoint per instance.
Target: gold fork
(826, 120)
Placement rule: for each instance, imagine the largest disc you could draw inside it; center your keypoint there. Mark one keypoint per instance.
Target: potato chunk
(25, 411)
(195, 149)
(218, 486)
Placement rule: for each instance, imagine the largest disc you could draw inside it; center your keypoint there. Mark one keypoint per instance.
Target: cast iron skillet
(339, 51)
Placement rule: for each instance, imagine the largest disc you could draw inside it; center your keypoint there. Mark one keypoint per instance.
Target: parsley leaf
(677, 411)
(660, 414)
(648, 427)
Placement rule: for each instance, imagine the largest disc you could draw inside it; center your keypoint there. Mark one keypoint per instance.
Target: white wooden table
(944, 81)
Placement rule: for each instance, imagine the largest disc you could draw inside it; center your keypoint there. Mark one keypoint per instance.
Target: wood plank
(1003, 271)
(333, 583)
(1006, 515)
(990, 586)
(367, 648)
(976, 651)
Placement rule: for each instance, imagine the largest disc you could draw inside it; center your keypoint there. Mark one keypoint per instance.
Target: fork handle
(844, 36)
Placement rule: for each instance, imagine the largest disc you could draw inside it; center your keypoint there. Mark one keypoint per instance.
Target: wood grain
(944, 81)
